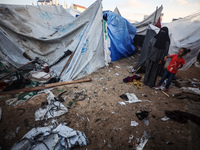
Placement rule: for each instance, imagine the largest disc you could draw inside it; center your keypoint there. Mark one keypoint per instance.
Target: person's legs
(164, 77)
(171, 76)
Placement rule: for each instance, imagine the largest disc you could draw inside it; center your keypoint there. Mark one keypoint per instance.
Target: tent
(190, 38)
(186, 33)
(117, 11)
(121, 34)
(48, 32)
(151, 19)
(73, 12)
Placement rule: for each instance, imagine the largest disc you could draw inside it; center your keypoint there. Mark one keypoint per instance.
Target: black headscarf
(162, 38)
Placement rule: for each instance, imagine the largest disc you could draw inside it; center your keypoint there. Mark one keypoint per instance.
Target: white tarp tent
(186, 33)
(151, 19)
(73, 12)
(48, 32)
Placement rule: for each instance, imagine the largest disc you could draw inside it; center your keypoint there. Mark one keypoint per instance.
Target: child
(177, 62)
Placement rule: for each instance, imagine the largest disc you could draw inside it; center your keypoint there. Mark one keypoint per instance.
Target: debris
(122, 103)
(182, 117)
(53, 109)
(130, 138)
(46, 86)
(165, 118)
(146, 121)
(169, 143)
(143, 140)
(132, 98)
(62, 137)
(117, 74)
(131, 78)
(118, 67)
(12, 134)
(134, 123)
(191, 90)
(142, 114)
(79, 96)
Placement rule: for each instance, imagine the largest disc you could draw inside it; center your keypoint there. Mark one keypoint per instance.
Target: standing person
(177, 62)
(158, 49)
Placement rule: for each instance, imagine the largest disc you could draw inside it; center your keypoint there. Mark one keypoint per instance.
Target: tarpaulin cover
(185, 33)
(47, 32)
(121, 34)
(151, 19)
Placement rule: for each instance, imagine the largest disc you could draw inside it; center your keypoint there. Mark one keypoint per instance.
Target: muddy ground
(105, 122)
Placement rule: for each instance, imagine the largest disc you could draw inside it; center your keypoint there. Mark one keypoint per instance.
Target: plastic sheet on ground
(132, 98)
(191, 90)
(143, 140)
(53, 109)
(62, 137)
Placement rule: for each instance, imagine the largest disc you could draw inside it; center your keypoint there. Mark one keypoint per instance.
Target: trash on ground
(118, 67)
(142, 114)
(191, 90)
(117, 74)
(61, 137)
(165, 118)
(130, 138)
(143, 140)
(134, 123)
(122, 103)
(53, 109)
(182, 117)
(146, 121)
(12, 134)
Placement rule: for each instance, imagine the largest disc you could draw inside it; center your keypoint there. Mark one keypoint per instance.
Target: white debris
(117, 74)
(118, 67)
(122, 103)
(165, 118)
(191, 90)
(130, 138)
(143, 140)
(132, 98)
(60, 137)
(53, 109)
(134, 123)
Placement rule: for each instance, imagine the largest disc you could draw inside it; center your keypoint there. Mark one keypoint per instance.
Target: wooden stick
(65, 65)
(165, 93)
(14, 70)
(46, 86)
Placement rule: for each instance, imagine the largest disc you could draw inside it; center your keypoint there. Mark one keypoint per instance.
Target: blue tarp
(121, 34)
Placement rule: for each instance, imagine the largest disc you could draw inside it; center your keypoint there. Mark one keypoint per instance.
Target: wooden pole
(65, 65)
(165, 93)
(46, 86)
(14, 70)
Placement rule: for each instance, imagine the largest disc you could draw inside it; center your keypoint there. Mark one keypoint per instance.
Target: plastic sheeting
(152, 19)
(48, 32)
(186, 33)
(121, 34)
(73, 12)
(41, 138)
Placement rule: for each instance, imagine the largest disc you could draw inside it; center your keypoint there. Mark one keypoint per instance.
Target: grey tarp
(151, 19)
(49, 31)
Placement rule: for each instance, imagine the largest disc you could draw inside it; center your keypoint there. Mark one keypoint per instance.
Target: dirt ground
(106, 123)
